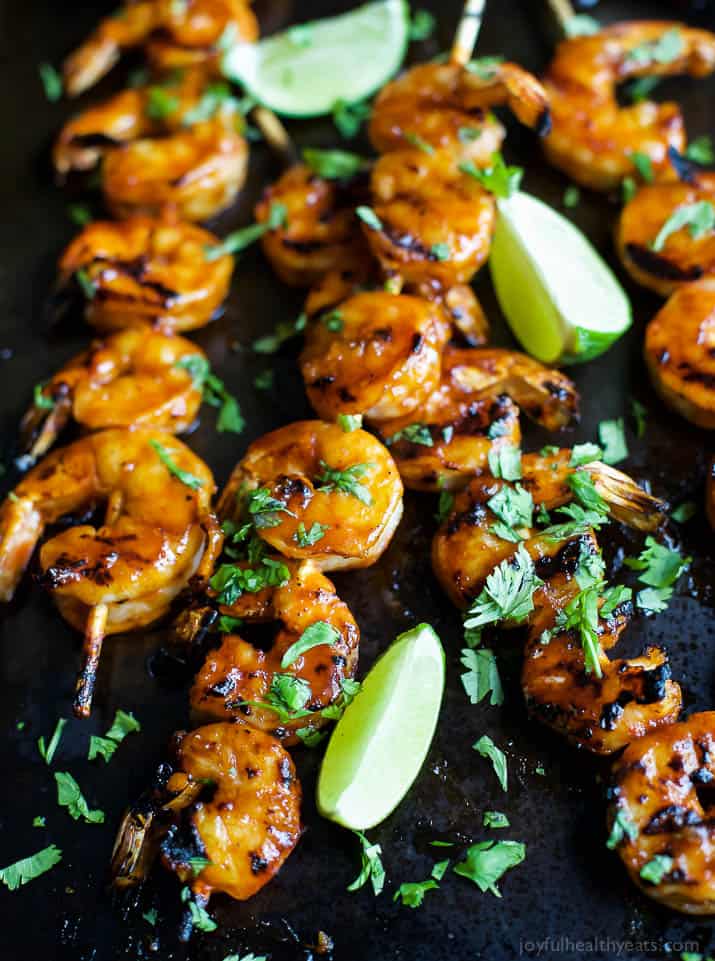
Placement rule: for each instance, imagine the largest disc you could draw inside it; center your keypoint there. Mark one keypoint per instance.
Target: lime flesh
(378, 746)
(304, 70)
(560, 298)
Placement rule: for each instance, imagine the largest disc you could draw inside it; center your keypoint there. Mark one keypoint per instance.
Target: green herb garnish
(70, 796)
(488, 861)
(487, 748)
(371, 866)
(27, 869)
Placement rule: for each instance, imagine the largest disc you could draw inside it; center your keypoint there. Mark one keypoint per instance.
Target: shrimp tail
(40, 428)
(628, 503)
(91, 653)
(21, 526)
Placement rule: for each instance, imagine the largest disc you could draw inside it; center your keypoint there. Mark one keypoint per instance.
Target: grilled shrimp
(342, 486)
(237, 680)
(683, 258)
(447, 440)
(133, 378)
(178, 34)
(434, 222)
(321, 232)
(602, 714)
(679, 352)
(465, 549)
(446, 106)
(150, 162)
(660, 814)
(146, 271)
(158, 532)
(225, 815)
(592, 138)
(378, 354)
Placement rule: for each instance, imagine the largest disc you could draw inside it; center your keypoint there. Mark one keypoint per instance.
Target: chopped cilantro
(495, 819)
(623, 826)
(151, 916)
(270, 343)
(47, 753)
(27, 869)
(371, 866)
(369, 217)
(581, 24)
(514, 507)
(644, 166)
(306, 538)
(445, 504)
(333, 321)
(698, 217)
(124, 723)
(264, 380)
(349, 117)
(231, 581)
(508, 592)
(241, 239)
(581, 614)
(665, 49)
(160, 104)
(422, 24)
(79, 214)
(316, 635)
(414, 433)
(214, 98)
(612, 435)
(440, 251)
(487, 748)
(482, 676)
(584, 453)
(683, 512)
(572, 197)
(505, 462)
(416, 141)
(499, 179)
(70, 796)
(345, 481)
(656, 869)
(640, 88)
(184, 476)
(412, 893)
(334, 164)
(86, 284)
(227, 624)
(38, 822)
(659, 568)
(485, 67)
(51, 81)
(349, 422)
(628, 189)
(700, 151)
(487, 861)
(200, 918)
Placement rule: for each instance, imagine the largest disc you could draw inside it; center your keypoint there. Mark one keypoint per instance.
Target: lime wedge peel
(380, 743)
(302, 71)
(561, 300)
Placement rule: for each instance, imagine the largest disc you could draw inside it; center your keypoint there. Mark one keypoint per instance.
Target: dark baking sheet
(570, 889)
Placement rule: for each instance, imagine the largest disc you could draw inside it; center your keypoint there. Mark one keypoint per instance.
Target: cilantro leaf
(51, 81)
(319, 633)
(656, 869)
(70, 796)
(241, 239)
(371, 866)
(623, 826)
(348, 117)
(482, 676)
(334, 164)
(698, 217)
(639, 412)
(571, 197)
(271, 343)
(487, 748)
(499, 179)
(659, 566)
(184, 476)
(665, 49)
(27, 869)
(612, 435)
(422, 24)
(445, 504)
(414, 433)
(369, 217)
(345, 481)
(349, 422)
(507, 594)
(412, 894)
(505, 462)
(580, 25)
(231, 581)
(584, 454)
(124, 723)
(683, 512)
(495, 819)
(488, 861)
(514, 507)
(306, 538)
(700, 151)
(581, 614)
(47, 753)
(644, 166)
(200, 918)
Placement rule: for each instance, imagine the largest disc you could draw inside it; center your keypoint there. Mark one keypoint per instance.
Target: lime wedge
(380, 742)
(304, 70)
(560, 298)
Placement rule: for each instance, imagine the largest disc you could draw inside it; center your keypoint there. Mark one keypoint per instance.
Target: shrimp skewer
(660, 814)
(134, 378)
(230, 799)
(593, 139)
(143, 271)
(124, 574)
(177, 35)
(315, 477)
(239, 682)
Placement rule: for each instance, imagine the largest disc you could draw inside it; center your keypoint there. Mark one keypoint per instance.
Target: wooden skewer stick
(563, 13)
(114, 508)
(91, 652)
(276, 135)
(465, 39)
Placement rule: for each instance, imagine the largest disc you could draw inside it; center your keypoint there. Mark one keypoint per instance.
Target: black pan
(570, 888)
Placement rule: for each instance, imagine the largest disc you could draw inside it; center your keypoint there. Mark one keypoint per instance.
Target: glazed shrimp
(179, 35)
(147, 271)
(447, 440)
(434, 223)
(378, 354)
(631, 697)
(321, 232)
(150, 162)
(158, 532)
(679, 352)
(592, 138)
(237, 680)
(682, 258)
(230, 797)
(134, 378)
(465, 549)
(660, 814)
(315, 473)
(447, 106)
